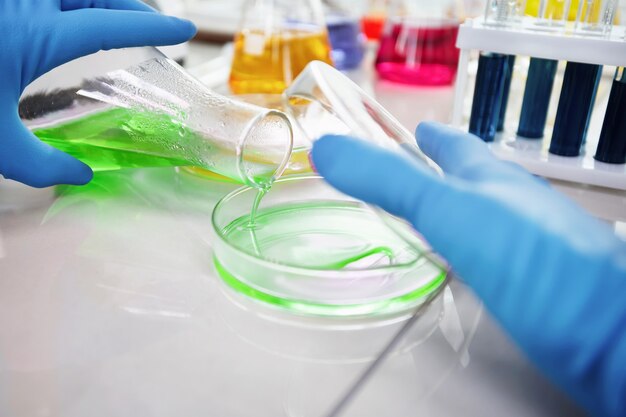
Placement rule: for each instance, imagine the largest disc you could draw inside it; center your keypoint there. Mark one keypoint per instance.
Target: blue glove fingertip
(326, 153)
(187, 28)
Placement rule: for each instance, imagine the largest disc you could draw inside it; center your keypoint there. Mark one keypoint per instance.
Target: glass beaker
(277, 39)
(418, 45)
(154, 113)
(324, 101)
(346, 38)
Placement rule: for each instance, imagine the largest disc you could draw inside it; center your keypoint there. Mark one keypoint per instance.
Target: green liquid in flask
(121, 138)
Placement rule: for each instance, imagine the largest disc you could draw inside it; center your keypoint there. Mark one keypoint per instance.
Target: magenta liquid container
(419, 51)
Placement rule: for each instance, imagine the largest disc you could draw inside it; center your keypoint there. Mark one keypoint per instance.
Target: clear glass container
(153, 113)
(308, 248)
(418, 45)
(324, 101)
(346, 38)
(596, 17)
(501, 13)
(277, 39)
(612, 145)
(315, 251)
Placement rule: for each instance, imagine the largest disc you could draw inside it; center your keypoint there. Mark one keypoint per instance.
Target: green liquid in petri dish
(324, 236)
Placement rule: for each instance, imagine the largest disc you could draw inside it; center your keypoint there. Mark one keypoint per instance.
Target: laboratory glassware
(418, 45)
(315, 251)
(578, 96)
(324, 101)
(277, 39)
(552, 14)
(503, 13)
(154, 113)
(346, 38)
(506, 91)
(493, 79)
(537, 95)
(612, 146)
(374, 19)
(488, 95)
(596, 17)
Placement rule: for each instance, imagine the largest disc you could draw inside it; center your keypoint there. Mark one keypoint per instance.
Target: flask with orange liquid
(278, 38)
(374, 19)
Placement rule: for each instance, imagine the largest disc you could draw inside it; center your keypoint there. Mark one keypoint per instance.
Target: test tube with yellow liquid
(277, 39)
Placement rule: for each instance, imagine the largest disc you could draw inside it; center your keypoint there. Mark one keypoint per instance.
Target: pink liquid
(419, 54)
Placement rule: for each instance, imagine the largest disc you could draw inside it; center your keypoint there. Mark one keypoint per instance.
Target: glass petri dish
(317, 252)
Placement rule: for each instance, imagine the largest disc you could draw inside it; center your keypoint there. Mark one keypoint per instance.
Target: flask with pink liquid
(418, 45)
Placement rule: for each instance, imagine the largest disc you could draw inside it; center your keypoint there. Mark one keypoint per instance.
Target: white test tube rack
(525, 40)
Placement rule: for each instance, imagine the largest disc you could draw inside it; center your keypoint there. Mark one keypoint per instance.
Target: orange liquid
(373, 26)
(269, 63)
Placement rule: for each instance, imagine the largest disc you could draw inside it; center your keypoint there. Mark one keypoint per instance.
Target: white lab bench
(109, 306)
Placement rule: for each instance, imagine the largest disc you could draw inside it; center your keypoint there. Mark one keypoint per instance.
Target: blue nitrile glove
(39, 35)
(554, 276)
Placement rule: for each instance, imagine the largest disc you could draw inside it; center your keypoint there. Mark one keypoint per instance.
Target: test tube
(580, 85)
(597, 17)
(506, 90)
(537, 94)
(500, 12)
(491, 76)
(612, 146)
(490, 81)
(553, 14)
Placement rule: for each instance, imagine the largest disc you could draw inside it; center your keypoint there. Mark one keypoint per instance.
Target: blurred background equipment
(418, 44)
(276, 40)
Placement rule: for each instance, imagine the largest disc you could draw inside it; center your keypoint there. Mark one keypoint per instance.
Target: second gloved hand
(554, 276)
(39, 35)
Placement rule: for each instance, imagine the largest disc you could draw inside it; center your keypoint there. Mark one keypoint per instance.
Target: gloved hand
(554, 276)
(39, 35)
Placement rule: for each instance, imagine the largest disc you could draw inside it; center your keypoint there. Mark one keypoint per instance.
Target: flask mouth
(265, 150)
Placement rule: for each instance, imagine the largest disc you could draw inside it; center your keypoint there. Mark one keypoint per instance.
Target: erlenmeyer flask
(418, 45)
(153, 113)
(278, 38)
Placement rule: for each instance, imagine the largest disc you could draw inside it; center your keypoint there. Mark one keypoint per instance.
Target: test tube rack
(524, 39)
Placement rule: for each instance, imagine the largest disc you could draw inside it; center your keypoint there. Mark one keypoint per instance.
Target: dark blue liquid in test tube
(490, 79)
(347, 40)
(506, 91)
(612, 146)
(539, 84)
(578, 96)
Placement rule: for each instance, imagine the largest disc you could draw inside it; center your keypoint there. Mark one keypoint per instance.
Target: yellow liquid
(265, 63)
(555, 9)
